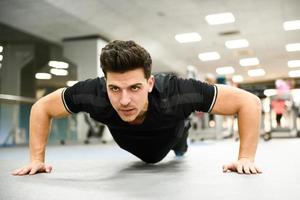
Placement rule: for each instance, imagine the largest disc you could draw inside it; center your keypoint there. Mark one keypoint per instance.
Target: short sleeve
(184, 96)
(198, 95)
(83, 96)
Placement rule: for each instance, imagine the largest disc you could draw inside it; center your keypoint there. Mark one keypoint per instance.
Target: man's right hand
(32, 168)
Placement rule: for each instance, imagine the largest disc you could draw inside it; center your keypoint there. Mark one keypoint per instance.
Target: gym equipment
(96, 129)
(207, 126)
(290, 114)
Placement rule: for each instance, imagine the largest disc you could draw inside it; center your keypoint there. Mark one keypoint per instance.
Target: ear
(151, 82)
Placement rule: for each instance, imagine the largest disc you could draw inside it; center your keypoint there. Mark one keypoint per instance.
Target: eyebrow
(136, 84)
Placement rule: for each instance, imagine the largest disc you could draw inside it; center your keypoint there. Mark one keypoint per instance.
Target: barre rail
(14, 98)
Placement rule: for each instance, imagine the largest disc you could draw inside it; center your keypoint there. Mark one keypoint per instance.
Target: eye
(114, 89)
(135, 88)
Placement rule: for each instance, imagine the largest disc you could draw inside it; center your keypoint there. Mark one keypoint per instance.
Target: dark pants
(278, 119)
(177, 143)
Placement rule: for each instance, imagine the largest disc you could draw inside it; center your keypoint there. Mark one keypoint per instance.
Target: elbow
(39, 108)
(38, 105)
(256, 103)
(250, 103)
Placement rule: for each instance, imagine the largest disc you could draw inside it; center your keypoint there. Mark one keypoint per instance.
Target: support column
(85, 53)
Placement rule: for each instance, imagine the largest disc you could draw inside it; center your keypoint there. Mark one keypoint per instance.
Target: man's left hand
(242, 166)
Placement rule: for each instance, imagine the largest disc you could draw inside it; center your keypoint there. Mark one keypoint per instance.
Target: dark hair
(121, 56)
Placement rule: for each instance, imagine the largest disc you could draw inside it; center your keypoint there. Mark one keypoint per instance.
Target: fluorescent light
(209, 56)
(220, 18)
(58, 64)
(291, 25)
(1, 57)
(59, 72)
(295, 73)
(292, 47)
(1, 49)
(270, 92)
(235, 44)
(249, 62)
(43, 76)
(294, 63)
(256, 72)
(225, 70)
(188, 37)
(71, 83)
(237, 78)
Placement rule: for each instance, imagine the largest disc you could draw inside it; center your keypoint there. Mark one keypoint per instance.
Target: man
(146, 115)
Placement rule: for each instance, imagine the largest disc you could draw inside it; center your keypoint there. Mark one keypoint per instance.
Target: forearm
(249, 117)
(40, 124)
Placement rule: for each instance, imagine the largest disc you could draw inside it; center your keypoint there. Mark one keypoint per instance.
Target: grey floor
(106, 172)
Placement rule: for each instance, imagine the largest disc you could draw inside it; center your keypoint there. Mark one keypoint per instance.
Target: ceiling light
(1, 49)
(1, 57)
(188, 37)
(208, 56)
(294, 63)
(237, 78)
(292, 47)
(43, 76)
(225, 70)
(58, 64)
(295, 73)
(220, 18)
(249, 62)
(59, 72)
(71, 83)
(256, 72)
(291, 25)
(270, 92)
(235, 44)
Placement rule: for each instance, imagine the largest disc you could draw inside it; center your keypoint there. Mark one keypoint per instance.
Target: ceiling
(154, 24)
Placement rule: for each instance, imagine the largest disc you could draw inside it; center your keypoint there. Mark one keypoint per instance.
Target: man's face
(128, 93)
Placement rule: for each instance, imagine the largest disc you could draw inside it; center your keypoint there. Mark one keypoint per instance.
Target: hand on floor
(32, 168)
(242, 166)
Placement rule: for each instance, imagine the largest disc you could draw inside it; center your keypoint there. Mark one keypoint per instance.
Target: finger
(24, 171)
(240, 168)
(253, 169)
(48, 168)
(258, 169)
(246, 168)
(225, 168)
(34, 170)
(16, 171)
(230, 167)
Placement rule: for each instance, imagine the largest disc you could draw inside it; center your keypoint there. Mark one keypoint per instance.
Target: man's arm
(247, 106)
(42, 112)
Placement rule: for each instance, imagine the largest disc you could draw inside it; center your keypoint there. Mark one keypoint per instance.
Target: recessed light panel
(188, 37)
(236, 44)
(291, 25)
(208, 56)
(245, 62)
(220, 18)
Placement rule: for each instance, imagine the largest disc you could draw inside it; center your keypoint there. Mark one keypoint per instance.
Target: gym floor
(98, 171)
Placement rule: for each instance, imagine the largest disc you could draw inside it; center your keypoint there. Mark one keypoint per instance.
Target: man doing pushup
(146, 114)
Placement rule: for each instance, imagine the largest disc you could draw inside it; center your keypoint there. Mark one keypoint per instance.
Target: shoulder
(164, 82)
(85, 95)
(172, 84)
(89, 87)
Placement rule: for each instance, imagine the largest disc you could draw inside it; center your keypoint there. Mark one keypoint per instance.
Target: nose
(125, 99)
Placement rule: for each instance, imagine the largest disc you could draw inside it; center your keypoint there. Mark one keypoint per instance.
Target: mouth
(127, 111)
